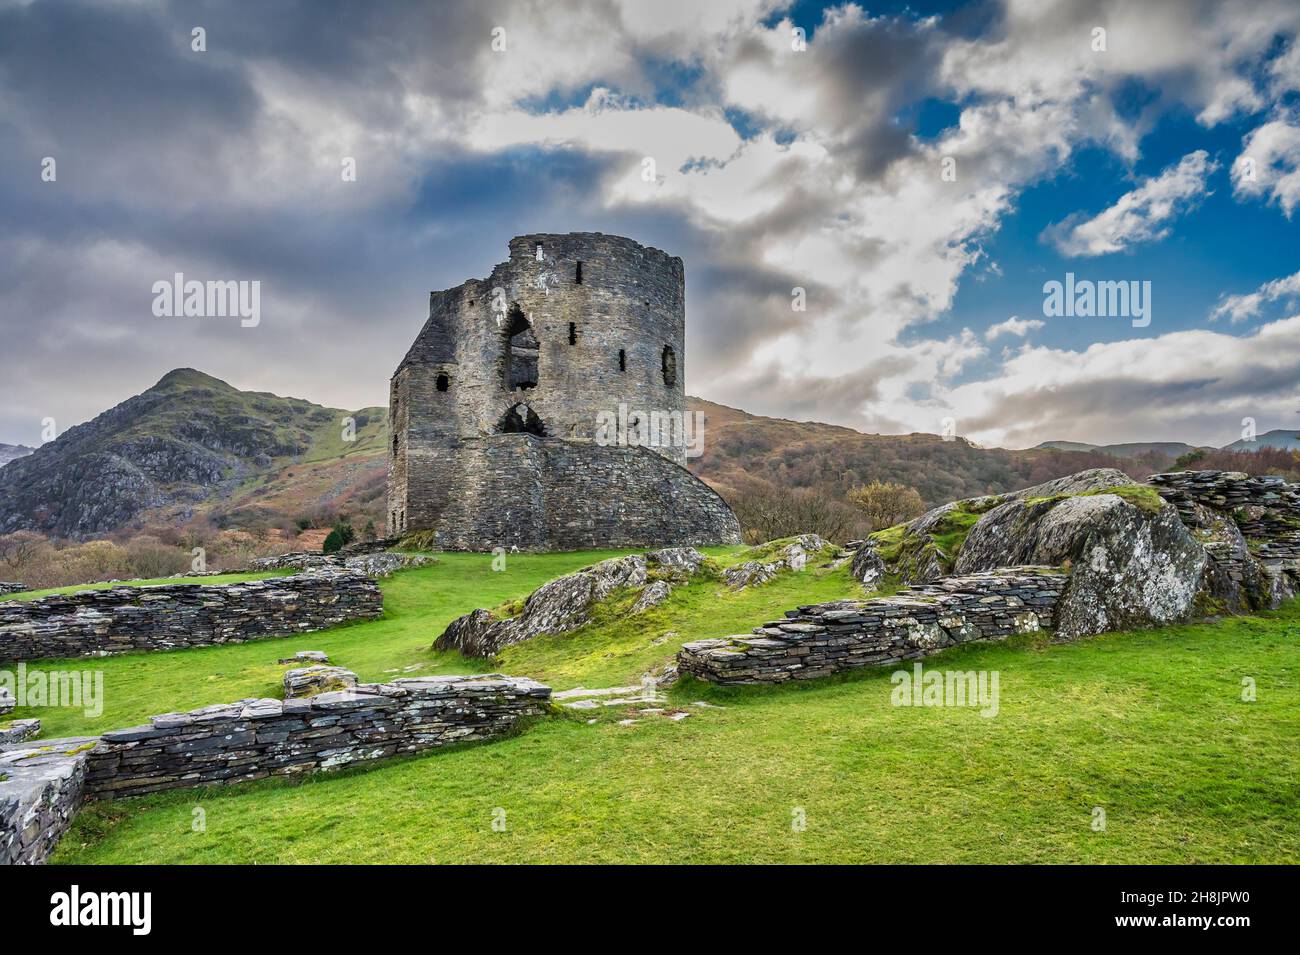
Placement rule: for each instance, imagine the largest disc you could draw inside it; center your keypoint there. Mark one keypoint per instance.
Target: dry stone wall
(255, 739)
(41, 788)
(1266, 509)
(171, 616)
(822, 639)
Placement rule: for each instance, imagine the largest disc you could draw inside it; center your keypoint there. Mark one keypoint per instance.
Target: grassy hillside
(1149, 727)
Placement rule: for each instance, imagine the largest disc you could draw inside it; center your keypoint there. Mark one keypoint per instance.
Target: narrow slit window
(395, 439)
(622, 360)
(670, 366)
(577, 278)
(443, 382)
(539, 252)
(573, 333)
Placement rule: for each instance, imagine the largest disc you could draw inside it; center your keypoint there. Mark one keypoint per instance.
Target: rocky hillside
(740, 447)
(191, 445)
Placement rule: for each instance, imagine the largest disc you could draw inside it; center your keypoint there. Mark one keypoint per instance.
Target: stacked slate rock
(171, 616)
(41, 789)
(18, 731)
(12, 587)
(254, 739)
(374, 562)
(309, 681)
(819, 640)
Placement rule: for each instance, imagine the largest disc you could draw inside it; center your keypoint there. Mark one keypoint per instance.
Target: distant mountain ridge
(1132, 449)
(12, 452)
(192, 446)
(190, 443)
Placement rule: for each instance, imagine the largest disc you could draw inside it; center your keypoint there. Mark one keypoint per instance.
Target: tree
(333, 542)
(886, 503)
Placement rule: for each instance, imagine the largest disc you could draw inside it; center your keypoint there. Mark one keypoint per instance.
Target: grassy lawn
(418, 605)
(1149, 727)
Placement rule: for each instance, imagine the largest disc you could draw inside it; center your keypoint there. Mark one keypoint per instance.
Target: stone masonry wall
(819, 640)
(537, 493)
(41, 789)
(1266, 509)
(255, 739)
(167, 617)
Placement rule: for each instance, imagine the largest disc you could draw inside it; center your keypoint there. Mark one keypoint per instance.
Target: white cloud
(1019, 327)
(1141, 215)
(1269, 166)
(1238, 308)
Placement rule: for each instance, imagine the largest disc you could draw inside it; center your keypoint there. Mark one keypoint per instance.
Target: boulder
(18, 731)
(793, 556)
(1131, 566)
(309, 681)
(868, 568)
(1093, 479)
(655, 593)
(563, 604)
(308, 656)
(7, 701)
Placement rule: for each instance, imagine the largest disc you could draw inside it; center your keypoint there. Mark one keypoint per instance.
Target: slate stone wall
(541, 494)
(601, 342)
(41, 788)
(167, 617)
(819, 640)
(256, 739)
(1266, 509)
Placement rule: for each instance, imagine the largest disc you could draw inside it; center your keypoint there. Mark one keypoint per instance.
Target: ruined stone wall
(601, 343)
(256, 739)
(823, 639)
(1266, 509)
(41, 788)
(171, 616)
(538, 494)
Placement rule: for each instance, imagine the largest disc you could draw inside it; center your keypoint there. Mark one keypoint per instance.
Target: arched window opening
(670, 366)
(443, 382)
(521, 351)
(578, 275)
(521, 419)
(622, 360)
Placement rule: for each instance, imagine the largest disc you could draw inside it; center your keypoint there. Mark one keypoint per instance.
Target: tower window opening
(396, 438)
(578, 275)
(521, 351)
(443, 382)
(539, 252)
(670, 366)
(622, 360)
(573, 333)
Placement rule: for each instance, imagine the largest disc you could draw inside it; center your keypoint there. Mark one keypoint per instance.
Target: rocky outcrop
(309, 681)
(824, 639)
(793, 556)
(566, 603)
(1131, 566)
(1081, 482)
(7, 701)
(172, 616)
(41, 789)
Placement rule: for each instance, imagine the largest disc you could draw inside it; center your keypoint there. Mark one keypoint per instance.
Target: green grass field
(1149, 727)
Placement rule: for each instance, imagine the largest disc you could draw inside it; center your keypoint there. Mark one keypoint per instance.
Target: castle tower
(508, 405)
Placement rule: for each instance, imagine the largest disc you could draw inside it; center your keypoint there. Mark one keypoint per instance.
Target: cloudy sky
(920, 170)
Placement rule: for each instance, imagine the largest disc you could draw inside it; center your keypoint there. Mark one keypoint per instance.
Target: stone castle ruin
(500, 410)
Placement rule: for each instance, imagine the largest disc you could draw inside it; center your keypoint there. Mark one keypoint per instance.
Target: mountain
(11, 452)
(1290, 440)
(739, 447)
(193, 445)
(1133, 449)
